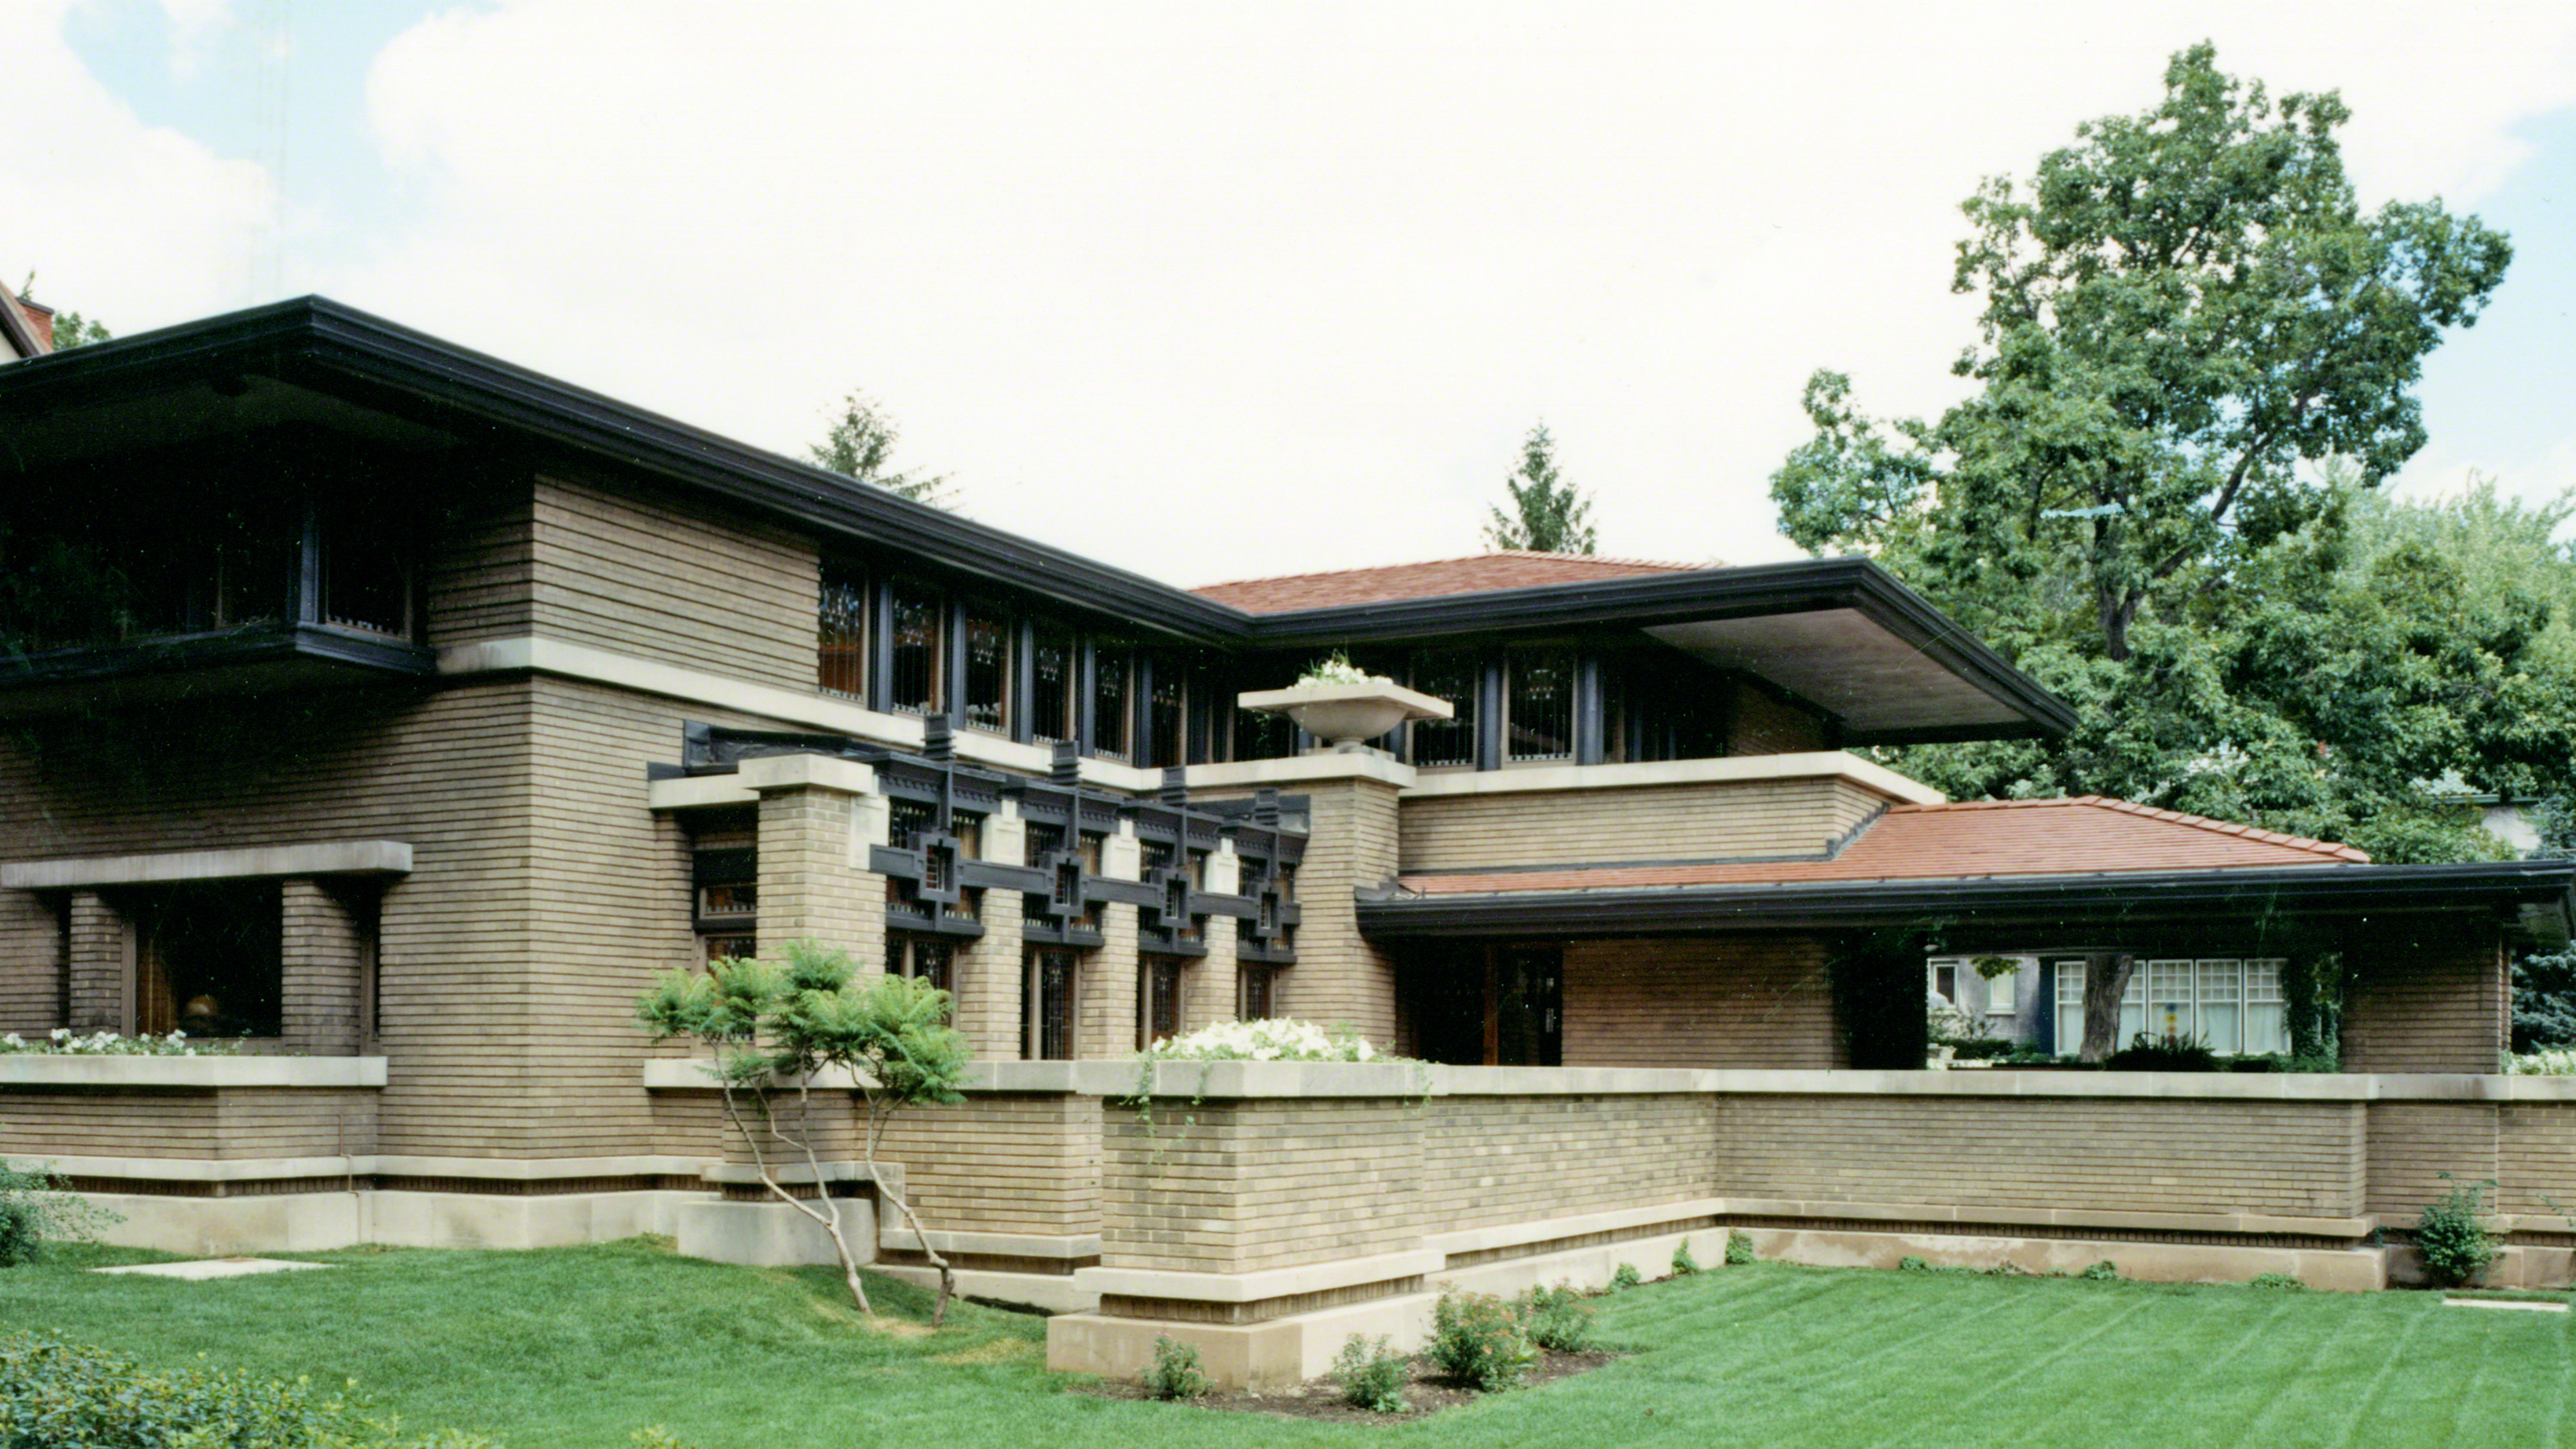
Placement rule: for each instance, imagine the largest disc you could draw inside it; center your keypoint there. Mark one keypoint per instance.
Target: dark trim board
(2536, 895)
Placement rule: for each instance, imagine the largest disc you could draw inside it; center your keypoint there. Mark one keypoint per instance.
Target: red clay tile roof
(1476, 574)
(1971, 838)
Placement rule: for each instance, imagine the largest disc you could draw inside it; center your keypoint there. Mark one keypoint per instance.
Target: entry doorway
(1499, 1005)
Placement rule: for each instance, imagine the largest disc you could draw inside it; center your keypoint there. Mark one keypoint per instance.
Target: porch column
(324, 948)
(1105, 993)
(101, 966)
(2429, 997)
(1207, 984)
(986, 978)
(818, 816)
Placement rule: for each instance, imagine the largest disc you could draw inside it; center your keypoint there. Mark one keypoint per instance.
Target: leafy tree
(73, 330)
(860, 444)
(2544, 982)
(1548, 514)
(2195, 358)
(2178, 309)
(773, 1028)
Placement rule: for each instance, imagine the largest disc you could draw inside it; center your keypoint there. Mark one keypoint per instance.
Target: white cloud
(1322, 264)
(128, 223)
(194, 24)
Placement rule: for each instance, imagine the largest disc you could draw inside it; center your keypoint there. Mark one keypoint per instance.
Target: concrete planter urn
(1347, 715)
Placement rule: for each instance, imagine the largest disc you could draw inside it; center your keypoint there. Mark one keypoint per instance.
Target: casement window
(1055, 661)
(917, 637)
(1254, 992)
(1538, 703)
(365, 573)
(724, 882)
(1158, 1008)
(1112, 700)
(923, 958)
(988, 670)
(742, 947)
(841, 633)
(1047, 1004)
(2233, 1007)
(208, 959)
(1168, 712)
(1456, 675)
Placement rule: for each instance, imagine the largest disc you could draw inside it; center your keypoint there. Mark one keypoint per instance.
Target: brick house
(407, 712)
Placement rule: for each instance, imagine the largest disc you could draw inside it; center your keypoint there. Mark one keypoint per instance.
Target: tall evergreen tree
(861, 443)
(1547, 514)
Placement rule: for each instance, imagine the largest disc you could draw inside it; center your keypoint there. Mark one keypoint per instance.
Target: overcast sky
(1219, 290)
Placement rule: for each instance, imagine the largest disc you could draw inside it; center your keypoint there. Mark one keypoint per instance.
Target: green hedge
(56, 1395)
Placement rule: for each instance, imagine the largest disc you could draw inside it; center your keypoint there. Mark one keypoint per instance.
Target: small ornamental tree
(773, 1028)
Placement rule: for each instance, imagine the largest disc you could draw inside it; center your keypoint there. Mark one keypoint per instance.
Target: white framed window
(2232, 1006)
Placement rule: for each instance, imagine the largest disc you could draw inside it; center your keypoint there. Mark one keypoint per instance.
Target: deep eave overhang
(2536, 893)
(338, 350)
(1643, 601)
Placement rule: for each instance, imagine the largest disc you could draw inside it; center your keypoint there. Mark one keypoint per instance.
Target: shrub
(1684, 1264)
(1739, 1248)
(36, 1208)
(1275, 1040)
(2455, 1246)
(1626, 1277)
(1912, 1264)
(1984, 1048)
(2162, 1054)
(1175, 1372)
(2105, 1271)
(1557, 1318)
(1479, 1342)
(71, 1394)
(1372, 1375)
(2277, 1280)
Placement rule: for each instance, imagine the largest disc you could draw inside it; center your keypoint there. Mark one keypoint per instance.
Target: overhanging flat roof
(1841, 633)
(2537, 894)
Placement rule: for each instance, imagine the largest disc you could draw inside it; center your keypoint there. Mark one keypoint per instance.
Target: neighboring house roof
(20, 333)
(1475, 574)
(1963, 840)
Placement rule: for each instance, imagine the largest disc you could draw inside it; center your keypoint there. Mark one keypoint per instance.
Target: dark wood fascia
(2537, 895)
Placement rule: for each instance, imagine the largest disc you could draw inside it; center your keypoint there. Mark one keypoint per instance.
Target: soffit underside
(1848, 663)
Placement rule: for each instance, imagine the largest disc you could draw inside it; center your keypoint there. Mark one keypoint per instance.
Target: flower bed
(60, 1042)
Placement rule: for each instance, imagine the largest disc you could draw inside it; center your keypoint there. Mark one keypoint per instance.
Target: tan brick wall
(324, 950)
(480, 582)
(1340, 977)
(1104, 992)
(990, 971)
(2427, 996)
(32, 969)
(215, 1124)
(2120, 1154)
(1003, 1163)
(675, 581)
(2536, 1161)
(1238, 1187)
(2413, 1143)
(1708, 1002)
(1711, 820)
(814, 881)
(1489, 1160)
(101, 961)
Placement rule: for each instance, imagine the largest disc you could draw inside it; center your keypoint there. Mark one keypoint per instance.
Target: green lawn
(579, 1347)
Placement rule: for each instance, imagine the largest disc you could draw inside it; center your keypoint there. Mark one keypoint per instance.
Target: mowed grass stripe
(579, 1347)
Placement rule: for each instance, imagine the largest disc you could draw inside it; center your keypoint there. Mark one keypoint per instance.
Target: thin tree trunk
(877, 1120)
(830, 1219)
(2106, 980)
